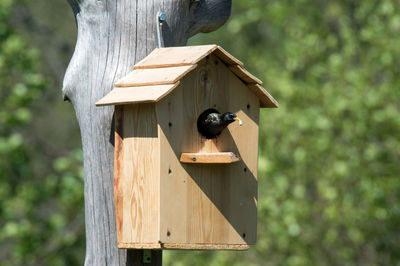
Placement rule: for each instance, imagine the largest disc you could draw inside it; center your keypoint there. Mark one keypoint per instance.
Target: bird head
(230, 118)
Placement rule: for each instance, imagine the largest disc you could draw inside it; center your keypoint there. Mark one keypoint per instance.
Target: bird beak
(240, 121)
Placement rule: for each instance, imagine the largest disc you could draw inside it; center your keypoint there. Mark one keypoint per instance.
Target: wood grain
(244, 174)
(226, 57)
(175, 56)
(185, 55)
(215, 203)
(222, 221)
(173, 246)
(154, 76)
(209, 158)
(119, 168)
(210, 204)
(140, 184)
(170, 65)
(244, 75)
(132, 95)
(112, 36)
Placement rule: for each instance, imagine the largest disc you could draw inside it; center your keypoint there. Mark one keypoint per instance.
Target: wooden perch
(210, 158)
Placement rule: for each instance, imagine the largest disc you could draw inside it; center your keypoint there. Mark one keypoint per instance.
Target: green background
(329, 165)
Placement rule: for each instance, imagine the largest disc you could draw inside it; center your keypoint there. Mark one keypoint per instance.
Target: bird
(211, 123)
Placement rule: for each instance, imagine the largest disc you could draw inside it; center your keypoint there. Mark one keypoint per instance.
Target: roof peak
(184, 55)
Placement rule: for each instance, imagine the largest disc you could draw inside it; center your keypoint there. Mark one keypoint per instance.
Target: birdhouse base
(215, 157)
(185, 246)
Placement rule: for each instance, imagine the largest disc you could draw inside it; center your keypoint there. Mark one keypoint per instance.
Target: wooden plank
(140, 94)
(175, 56)
(266, 100)
(186, 55)
(118, 169)
(154, 76)
(184, 246)
(226, 57)
(208, 203)
(205, 246)
(244, 75)
(137, 176)
(208, 158)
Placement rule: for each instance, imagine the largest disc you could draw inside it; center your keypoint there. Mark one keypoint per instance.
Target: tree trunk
(112, 36)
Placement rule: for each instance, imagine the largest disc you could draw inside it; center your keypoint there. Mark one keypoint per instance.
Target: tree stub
(112, 36)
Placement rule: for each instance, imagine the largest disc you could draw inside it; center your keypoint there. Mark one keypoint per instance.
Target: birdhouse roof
(159, 73)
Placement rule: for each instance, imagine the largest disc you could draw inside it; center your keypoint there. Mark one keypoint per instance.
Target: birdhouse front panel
(185, 169)
(211, 203)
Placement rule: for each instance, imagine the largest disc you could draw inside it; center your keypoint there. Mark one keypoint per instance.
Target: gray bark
(112, 36)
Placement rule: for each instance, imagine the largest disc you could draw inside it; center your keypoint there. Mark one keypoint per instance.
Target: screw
(170, 124)
(162, 17)
(248, 106)
(194, 159)
(168, 233)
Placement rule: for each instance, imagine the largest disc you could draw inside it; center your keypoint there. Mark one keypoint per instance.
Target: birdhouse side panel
(137, 179)
(208, 204)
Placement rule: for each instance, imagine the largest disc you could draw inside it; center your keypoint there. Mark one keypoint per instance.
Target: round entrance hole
(202, 117)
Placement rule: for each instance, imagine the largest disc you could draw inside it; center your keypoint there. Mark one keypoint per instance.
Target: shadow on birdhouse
(175, 188)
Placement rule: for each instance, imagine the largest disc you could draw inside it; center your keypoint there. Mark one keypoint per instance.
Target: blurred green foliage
(329, 187)
(41, 217)
(329, 167)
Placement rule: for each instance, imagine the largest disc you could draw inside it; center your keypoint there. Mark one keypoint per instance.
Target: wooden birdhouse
(173, 188)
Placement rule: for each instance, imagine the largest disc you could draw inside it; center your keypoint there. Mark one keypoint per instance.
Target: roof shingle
(159, 73)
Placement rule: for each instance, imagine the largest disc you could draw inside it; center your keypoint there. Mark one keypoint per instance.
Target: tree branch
(207, 15)
(75, 5)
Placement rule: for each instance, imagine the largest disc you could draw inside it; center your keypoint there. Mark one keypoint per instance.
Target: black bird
(211, 123)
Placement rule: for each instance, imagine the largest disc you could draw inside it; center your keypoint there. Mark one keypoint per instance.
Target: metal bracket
(146, 256)
(160, 19)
